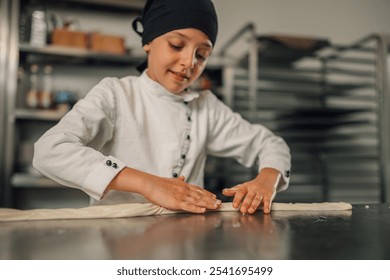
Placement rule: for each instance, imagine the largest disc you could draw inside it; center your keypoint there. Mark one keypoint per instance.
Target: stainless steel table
(362, 233)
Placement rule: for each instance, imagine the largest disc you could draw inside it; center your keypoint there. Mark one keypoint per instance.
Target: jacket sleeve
(232, 136)
(69, 152)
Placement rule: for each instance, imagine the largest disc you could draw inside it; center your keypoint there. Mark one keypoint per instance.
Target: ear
(146, 48)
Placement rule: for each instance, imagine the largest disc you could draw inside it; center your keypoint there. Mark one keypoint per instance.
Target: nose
(188, 59)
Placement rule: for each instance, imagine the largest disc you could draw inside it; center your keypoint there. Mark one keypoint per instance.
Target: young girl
(146, 138)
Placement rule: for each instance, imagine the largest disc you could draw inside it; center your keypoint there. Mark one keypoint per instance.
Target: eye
(175, 46)
(200, 57)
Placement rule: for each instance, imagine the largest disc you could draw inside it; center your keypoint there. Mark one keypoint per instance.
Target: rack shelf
(24, 180)
(35, 114)
(82, 54)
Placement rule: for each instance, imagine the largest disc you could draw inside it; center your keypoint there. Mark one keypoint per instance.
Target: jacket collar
(157, 89)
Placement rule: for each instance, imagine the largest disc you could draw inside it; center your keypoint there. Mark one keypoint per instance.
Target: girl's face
(177, 58)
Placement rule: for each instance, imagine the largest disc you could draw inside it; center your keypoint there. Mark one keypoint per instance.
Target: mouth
(180, 77)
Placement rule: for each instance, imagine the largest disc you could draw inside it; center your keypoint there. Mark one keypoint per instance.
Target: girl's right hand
(176, 194)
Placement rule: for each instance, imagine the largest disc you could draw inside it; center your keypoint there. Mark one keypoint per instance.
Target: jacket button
(108, 162)
(174, 175)
(287, 173)
(183, 156)
(189, 118)
(188, 137)
(115, 165)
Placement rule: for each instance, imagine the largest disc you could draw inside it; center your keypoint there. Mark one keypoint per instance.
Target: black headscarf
(162, 16)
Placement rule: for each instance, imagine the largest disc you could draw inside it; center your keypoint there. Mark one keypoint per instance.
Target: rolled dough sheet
(143, 209)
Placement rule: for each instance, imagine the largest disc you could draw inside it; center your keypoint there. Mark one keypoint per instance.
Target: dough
(323, 206)
(143, 209)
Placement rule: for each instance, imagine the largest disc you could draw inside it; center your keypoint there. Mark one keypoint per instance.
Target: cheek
(164, 59)
(198, 71)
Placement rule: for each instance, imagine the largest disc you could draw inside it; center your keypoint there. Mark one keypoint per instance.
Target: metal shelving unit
(331, 105)
(23, 125)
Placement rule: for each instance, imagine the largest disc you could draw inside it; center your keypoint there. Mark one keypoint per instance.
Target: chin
(176, 90)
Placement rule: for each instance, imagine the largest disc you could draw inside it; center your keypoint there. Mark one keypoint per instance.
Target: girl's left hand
(251, 194)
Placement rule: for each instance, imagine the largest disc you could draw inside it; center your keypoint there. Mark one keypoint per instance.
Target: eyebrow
(205, 44)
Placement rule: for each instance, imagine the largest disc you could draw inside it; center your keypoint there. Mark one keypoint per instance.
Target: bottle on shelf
(32, 96)
(46, 96)
(38, 35)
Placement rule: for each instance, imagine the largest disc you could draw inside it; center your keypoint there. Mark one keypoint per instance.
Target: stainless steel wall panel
(10, 91)
(4, 47)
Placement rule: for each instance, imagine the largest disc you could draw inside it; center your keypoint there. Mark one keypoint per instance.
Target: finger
(201, 191)
(238, 197)
(211, 202)
(230, 191)
(267, 204)
(182, 178)
(192, 208)
(202, 202)
(247, 202)
(200, 197)
(255, 203)
(195, 194)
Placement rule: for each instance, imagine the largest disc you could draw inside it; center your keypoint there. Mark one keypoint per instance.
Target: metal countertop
(360, 234)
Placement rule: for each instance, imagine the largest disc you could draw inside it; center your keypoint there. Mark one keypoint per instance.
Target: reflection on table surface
(358, 234)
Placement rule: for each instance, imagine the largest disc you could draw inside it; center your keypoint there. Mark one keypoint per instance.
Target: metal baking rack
(329, 102)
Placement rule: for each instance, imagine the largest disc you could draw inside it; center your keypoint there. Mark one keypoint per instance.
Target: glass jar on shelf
(32, 96)
(46, 96)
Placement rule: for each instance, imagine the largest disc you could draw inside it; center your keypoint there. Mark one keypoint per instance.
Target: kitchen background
(313, 71)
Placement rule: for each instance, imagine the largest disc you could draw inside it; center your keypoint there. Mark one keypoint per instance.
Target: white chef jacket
(136, 122)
